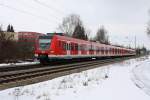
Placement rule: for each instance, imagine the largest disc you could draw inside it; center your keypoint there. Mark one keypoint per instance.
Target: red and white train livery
(57, 46)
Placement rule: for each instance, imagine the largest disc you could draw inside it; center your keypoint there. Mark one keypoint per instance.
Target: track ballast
(24, 75)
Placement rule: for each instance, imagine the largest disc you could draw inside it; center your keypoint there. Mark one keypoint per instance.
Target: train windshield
(44, 44)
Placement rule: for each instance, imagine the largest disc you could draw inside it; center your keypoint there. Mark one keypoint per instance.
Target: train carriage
(56, 46)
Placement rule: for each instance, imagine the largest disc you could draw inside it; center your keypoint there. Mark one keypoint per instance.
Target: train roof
(88, 42)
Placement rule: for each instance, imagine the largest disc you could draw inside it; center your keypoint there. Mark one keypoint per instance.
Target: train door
(110, 51)
(76, 49)
(82, 49)
(102, 51)
(72, 48)
(113, 51)
(68, 48)
(88, 49)
(94, 50)
(79, 49)
(64, 47)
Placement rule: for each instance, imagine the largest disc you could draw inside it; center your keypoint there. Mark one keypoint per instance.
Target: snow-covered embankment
(87, 85)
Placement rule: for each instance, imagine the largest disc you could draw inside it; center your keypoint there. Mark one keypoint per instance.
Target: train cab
(45, 46)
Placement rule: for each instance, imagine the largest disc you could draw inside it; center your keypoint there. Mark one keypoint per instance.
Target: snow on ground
(90, 85)
(21, 63)
(141, 76)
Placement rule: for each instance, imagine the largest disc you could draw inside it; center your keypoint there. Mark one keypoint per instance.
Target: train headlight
(51, 51)
(36, 55)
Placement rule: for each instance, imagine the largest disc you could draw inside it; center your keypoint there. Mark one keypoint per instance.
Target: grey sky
(122, 18)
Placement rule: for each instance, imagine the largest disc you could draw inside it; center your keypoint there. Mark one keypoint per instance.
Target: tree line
(73, 26)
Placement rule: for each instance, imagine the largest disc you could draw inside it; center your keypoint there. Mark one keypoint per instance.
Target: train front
(43, 47)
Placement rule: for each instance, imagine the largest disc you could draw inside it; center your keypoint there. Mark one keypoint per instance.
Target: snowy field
(128, 80)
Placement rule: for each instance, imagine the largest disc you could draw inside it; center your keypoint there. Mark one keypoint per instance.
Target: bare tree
(102, 35)
(69, 23)
(148, 25)
(148, 29)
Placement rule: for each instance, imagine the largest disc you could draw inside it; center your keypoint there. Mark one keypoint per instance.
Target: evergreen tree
(86, 37)
(79, 32)
(9, 28)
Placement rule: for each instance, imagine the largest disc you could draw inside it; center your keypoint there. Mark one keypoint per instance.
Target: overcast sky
(124, 19)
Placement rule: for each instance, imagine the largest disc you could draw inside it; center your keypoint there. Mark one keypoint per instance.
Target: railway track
(36, 73)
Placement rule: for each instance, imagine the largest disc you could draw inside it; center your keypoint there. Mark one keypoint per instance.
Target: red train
(56, 46)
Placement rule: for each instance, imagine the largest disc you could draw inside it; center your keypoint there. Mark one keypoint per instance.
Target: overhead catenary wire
(29, 13)
(50, 7)
(48, 13)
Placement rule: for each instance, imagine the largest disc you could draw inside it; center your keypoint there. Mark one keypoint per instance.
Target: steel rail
(23, 74)
(27, 74)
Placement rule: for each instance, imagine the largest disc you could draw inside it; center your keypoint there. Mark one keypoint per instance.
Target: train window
(106, 50)
(67, 46)
(91, 47)
(63, 45)
(110, 50)
(117, 51)
(79, 48)
(88, 47)
(113, 50)
(94, 48)
(44, 43)
(102, 51)
(82, 47)
(76, 47)
(72, 46)
(97, 50)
